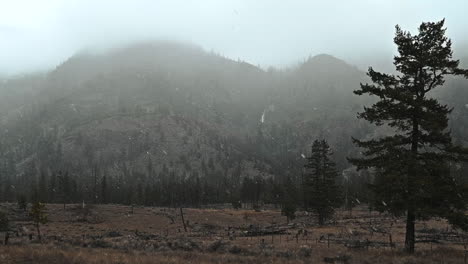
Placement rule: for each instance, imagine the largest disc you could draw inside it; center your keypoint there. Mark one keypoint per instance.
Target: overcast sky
(39, 34)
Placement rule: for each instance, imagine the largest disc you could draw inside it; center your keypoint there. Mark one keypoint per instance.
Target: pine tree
(64, 185)
(4, 222)
(412, 165)
(39, 216)
(52, 188)
(289, 200)
(104, 189)
(322, 193)
(95, 184)
(42, 188)
(4, 226)
(22, 203)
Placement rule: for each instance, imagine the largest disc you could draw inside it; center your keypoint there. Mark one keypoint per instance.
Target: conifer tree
(104, 189)
(22, 203)
(4, 226)
(4, 223)
(322, 193)
(64, 185)
(42, 188)
(412, 163)
(289, 200)
(39, 216)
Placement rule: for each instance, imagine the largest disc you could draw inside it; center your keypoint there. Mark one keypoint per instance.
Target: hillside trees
(413, 164)
(89, 112)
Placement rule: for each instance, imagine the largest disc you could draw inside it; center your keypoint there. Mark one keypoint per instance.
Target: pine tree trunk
(410, 218)
(410, 238)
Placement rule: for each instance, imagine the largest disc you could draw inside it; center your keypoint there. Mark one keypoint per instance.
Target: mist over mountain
(167, 108)
(174, 107)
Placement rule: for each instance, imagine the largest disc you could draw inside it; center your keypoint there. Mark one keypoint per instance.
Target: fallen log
(264, 231)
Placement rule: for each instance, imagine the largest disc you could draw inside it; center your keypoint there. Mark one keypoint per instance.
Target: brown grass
(70, 240)
(46, 254)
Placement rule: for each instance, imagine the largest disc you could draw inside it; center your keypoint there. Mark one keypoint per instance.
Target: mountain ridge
(186, 113)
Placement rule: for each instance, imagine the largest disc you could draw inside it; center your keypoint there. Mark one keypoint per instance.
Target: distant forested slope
(141, 123)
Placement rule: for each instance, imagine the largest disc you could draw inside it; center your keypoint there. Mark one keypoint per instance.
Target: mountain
(163, 113)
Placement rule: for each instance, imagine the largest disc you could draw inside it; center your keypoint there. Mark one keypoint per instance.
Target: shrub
(22, 203)
(3, 221)
(236, 204)
(289, 210)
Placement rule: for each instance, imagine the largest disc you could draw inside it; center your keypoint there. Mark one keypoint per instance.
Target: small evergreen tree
(289, 210)
(412, 165)
(64, 184)
(4, 223)
(236, 204)
(322, 193)
(22, 203)
(39, 216)
(52, 189)
(42, 188)
(104, 189)
(4, 226)
(289, 200)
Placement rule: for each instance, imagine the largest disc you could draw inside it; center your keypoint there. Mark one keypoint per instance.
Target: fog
(38, 35)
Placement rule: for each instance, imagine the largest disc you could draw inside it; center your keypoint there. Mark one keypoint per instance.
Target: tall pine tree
(412, 164)
(322, 193)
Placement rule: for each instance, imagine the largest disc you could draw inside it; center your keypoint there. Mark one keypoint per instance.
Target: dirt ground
(122, 234)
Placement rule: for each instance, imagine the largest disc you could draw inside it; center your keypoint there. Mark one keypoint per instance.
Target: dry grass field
(113, 234)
